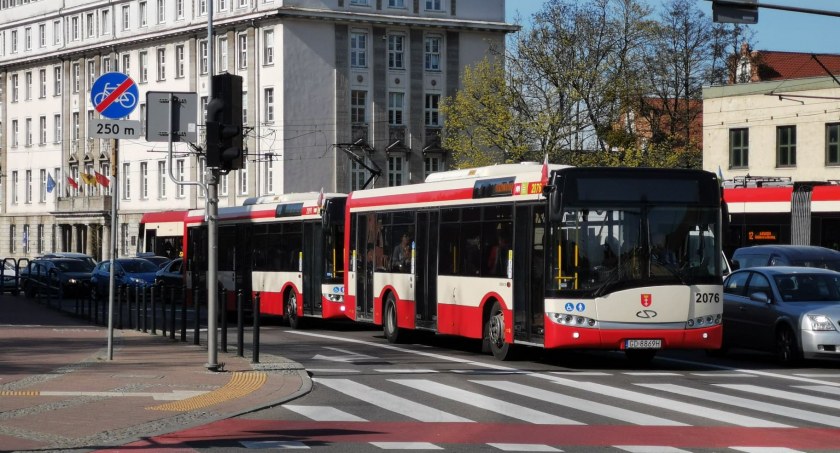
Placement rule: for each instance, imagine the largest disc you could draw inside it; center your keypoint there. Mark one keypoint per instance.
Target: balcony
(82, 203)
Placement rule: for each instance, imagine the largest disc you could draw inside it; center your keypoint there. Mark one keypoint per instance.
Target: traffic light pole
(212, 174)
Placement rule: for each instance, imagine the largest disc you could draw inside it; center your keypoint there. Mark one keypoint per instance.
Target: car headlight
(137, 281)
(72, 281)
(821, 322)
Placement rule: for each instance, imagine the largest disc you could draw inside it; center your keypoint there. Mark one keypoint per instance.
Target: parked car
(79, 256)
(790, 311)
(158, 261)
(40, 276)
(133, 272)
(10, 281)
(786, 255)
(170, 274)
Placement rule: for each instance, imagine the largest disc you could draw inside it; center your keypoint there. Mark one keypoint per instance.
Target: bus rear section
(286, 248)
(162, 233)
(597, 258)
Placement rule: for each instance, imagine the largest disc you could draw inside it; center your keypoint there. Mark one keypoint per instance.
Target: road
(442, 394)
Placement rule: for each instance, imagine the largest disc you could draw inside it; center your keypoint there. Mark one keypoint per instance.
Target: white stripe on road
(580, 404)
(765, 450)
(524, 447)
(389, 402)
(650, 449)
(405, 371)
(650, 373)
(755, 405)
(406, 446)
(820, 388)
(274, 444)
(480, 401)
(324, 413)
(332, 370)
(785, 395)
(723, 375)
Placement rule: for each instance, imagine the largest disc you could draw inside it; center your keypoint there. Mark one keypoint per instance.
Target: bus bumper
(572, 337)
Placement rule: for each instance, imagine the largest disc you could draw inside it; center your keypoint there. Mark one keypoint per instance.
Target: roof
(791, 251)
(776, 65)
(787, 270)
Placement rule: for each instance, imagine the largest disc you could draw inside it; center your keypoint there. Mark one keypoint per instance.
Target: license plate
(643, 344)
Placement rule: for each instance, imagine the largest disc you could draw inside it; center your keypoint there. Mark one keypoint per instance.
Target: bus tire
(640, 356)
(494, 334)
(389, 321)
(290, 310)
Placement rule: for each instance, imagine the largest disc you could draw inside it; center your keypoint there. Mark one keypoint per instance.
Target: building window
(76, 76)
(396, 170)
(202, 6)
(42, 35)
(269, 175)
(14, 41)
(105, 26)
(75, 127)
(202, 51)
(106, 65)
(57, 128)
(432, 53)
(223, 5)
(786, 146)
(14, 87)
(15, 199)
(126, 64)
(243, 179)
(42, 86)
(179, 171)
(126, 178)
(57, 32)
(359, 2)
(42, 131)
(74, 29)
(434, 5)
(91, 25)
(144, 180)
(14, 133)
(126, 17)
(223, 185)
(269, 105)
(144, 66)
(432, 164)
(161, 64)
(26, 239)
(142, 14)
(244, 108)
(161, 11)
(832, 144)
(358, 175)
(358, 107)
(268, 47)
(396, 3)
(28, 131)
(223, 55)
(395, 108)
(28, 187)
(91, 66)
(739, 148)
(40, 247)
(243, 50)
(358, 50)
(28, 88)
(162, 179)
(179, 61)
(396, 52)
(57, 81)
(13, 242)
(27, 38)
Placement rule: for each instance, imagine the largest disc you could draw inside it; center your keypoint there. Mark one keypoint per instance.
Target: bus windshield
(593, 252)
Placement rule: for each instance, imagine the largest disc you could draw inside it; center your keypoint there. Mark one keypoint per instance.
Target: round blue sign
(114, 95)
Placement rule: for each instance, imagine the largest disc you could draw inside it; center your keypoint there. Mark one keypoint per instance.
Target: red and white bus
(162, 233)
(288, 248)
(538, 255)
(776, 211)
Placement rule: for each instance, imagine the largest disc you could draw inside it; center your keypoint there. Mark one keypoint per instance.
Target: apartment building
(333, 91)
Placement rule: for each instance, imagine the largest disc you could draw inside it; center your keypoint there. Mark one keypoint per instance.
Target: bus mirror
(547, 189)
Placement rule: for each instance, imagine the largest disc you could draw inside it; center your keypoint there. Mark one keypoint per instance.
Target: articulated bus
(288, 248)
(162, 233)
(538, 255)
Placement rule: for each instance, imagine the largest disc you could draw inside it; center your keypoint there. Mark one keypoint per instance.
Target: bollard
(184, 313)
(95, 303)
(118, 302)
(240, 328)
(137, 307)
(154, 309)
(197, 307)
(255, 335)
(172, 312)
(223, 309)
(145, 308)
(162, 311)
(127, 291)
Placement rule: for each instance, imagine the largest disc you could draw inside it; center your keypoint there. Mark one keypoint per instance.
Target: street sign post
(114, 95)
(183, 108)
(114, 129)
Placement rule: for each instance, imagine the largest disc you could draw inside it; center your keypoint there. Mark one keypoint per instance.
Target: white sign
(114, 129)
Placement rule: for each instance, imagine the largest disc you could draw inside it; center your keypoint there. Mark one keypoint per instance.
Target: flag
(544, 175)
(720, 173)
(102, 179)
(88, 179)
(50, 183)
(321, 199)
(72, 183)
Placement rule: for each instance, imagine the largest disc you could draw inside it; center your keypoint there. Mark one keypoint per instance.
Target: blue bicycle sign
(114, 95)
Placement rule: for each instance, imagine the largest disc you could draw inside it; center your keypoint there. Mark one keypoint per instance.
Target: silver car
(790, 311)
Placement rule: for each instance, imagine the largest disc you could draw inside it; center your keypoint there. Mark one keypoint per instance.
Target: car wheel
(787, 348)
(494, 334)
(389, 323)
(290, 310)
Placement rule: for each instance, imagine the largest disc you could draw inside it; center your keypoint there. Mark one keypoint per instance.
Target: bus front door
(528, 272)
(366, 235)
(425, 270)
(313, 268)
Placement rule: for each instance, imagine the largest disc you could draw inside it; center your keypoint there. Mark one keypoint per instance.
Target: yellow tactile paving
(20, 393)
(241, 384)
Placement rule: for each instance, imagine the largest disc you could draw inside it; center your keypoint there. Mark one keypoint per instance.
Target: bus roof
(262, 208)
(741, 200)
(164, 216)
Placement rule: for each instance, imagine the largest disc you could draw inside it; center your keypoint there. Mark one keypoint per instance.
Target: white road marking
(390, 402)
(406, 446)
(785, 395)
(650, 449)
(516, 411)
(820, 388)
(818, 375)
(274, 444)
(723, 375)
(332, 370)
(765, 450)
(523, 447)
(324, 413)
(650, 373)
(580, 404)
(755, 405)
(580, 373)
(405, 371)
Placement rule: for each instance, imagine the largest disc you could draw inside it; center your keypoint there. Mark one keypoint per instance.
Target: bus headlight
(335, 298)
(565, 319)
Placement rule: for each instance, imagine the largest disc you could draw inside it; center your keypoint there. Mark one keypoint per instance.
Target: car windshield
(823, 264)
(73, 266)
(138, 266)
(809, 287)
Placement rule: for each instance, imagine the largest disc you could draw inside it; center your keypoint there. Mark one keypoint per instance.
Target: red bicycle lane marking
(236, 430)
(126, 84)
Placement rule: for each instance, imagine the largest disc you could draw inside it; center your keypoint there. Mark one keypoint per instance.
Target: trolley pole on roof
(212, 175)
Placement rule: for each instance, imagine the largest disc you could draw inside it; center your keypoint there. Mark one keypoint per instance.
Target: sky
(776, 30)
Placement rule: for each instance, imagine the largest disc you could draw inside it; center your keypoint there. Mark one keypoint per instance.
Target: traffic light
(735, 12)
(224, 123)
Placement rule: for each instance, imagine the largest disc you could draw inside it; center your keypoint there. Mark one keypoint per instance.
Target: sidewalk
(58, 390)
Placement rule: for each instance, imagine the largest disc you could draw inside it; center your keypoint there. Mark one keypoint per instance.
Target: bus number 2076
(706, 298)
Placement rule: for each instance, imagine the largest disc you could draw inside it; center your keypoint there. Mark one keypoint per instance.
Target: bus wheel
(290, 309)
(640, 356)
(389, 324)
(494, 334)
